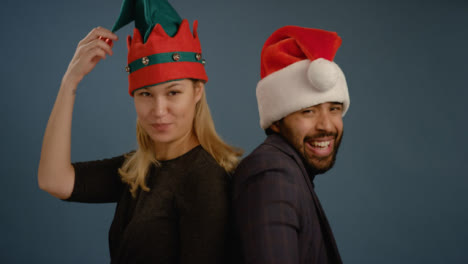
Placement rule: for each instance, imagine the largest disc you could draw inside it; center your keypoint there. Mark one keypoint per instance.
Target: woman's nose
(159, 107)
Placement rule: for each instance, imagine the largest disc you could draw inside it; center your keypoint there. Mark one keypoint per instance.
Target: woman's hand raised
(56, 175)
(89, 52)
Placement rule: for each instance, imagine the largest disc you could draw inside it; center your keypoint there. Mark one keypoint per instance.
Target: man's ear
(275, 127)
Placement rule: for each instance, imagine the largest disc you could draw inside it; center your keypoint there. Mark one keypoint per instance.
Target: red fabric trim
(163, 72)
(159, 42)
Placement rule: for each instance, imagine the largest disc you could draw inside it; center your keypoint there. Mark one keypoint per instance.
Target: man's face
(315, 132)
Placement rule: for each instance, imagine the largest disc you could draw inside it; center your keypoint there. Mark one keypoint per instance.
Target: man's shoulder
(268, 156)
(274, 148)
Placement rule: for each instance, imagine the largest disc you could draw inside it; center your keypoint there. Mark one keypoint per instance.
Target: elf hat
(163, 47)
(298, 71)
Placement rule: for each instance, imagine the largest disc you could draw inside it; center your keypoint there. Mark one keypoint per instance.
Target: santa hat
(163, 47)
(298, 71)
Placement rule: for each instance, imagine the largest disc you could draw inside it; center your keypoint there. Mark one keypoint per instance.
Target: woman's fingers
(106, 40)
(98, 32)
(104, 32)
(89, 52)
(89, 59)
(100, 44)
(94, 48)
(96, 55)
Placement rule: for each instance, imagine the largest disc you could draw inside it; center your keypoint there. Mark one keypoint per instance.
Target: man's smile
(320, 147)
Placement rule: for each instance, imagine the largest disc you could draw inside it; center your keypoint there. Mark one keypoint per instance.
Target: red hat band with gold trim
(163, 58)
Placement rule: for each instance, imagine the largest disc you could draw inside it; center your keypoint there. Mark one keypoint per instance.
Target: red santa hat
(298, 71)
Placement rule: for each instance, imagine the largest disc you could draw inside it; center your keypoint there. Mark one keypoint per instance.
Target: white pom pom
(322, 74)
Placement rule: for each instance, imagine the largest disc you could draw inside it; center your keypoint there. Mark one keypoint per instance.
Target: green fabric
(146, 14)
(163, 58)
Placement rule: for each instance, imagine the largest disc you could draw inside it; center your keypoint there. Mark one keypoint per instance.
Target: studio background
(398, 192)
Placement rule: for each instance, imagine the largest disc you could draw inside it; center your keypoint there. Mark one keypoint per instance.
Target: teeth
(322, 144)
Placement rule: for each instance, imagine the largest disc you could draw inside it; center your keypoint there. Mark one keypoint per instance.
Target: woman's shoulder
(114, 161)
(202, 166)
(203, 179)
(205, 160)
(195, 159)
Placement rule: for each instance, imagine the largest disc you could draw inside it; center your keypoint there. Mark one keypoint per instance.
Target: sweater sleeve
(97, 181)
(204, 216)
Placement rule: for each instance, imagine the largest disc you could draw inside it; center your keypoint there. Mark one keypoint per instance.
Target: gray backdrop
(398, 191)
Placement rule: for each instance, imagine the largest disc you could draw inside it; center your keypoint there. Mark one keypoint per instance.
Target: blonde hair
(137, 164)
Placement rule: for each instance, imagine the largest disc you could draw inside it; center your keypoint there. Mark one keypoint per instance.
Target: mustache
(320, 135)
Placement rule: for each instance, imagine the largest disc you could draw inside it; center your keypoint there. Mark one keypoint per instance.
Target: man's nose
(324, 122)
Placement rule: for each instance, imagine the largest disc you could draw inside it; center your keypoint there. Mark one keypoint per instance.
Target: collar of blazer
(280, 143)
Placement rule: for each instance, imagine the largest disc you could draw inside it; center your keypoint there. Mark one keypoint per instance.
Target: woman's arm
(56, 174)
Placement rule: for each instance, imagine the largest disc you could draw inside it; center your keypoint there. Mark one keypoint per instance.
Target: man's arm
(267, 216)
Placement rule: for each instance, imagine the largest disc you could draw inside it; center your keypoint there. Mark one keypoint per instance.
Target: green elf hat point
(163, 47)
(146, 14)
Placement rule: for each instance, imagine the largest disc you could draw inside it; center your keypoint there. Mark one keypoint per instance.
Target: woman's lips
(161, 127)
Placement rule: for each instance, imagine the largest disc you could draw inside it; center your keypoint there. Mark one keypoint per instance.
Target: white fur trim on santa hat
(300, 85)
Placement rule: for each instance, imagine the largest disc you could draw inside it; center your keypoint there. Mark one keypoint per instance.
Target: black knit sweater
(182, 219)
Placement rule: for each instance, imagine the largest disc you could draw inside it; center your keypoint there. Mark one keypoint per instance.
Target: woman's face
(166, 111)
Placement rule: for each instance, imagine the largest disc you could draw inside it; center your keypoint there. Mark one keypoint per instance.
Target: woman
(172, 192)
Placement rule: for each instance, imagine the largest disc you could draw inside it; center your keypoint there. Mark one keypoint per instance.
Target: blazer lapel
(332, 250)
(280, 143)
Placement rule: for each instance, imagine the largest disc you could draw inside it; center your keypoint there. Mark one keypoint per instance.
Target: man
(301, 99)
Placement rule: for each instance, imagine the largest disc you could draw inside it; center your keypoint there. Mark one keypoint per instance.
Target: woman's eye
(172, 93)
(144, 94)
(307, 111)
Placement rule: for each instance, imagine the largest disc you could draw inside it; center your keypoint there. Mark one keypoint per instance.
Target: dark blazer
(278, 216)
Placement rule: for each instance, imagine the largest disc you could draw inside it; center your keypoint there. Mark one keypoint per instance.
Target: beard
(315, 165)
(319, 165)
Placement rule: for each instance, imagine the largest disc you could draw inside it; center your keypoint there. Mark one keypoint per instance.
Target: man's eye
(307, 111)
(336, 108)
